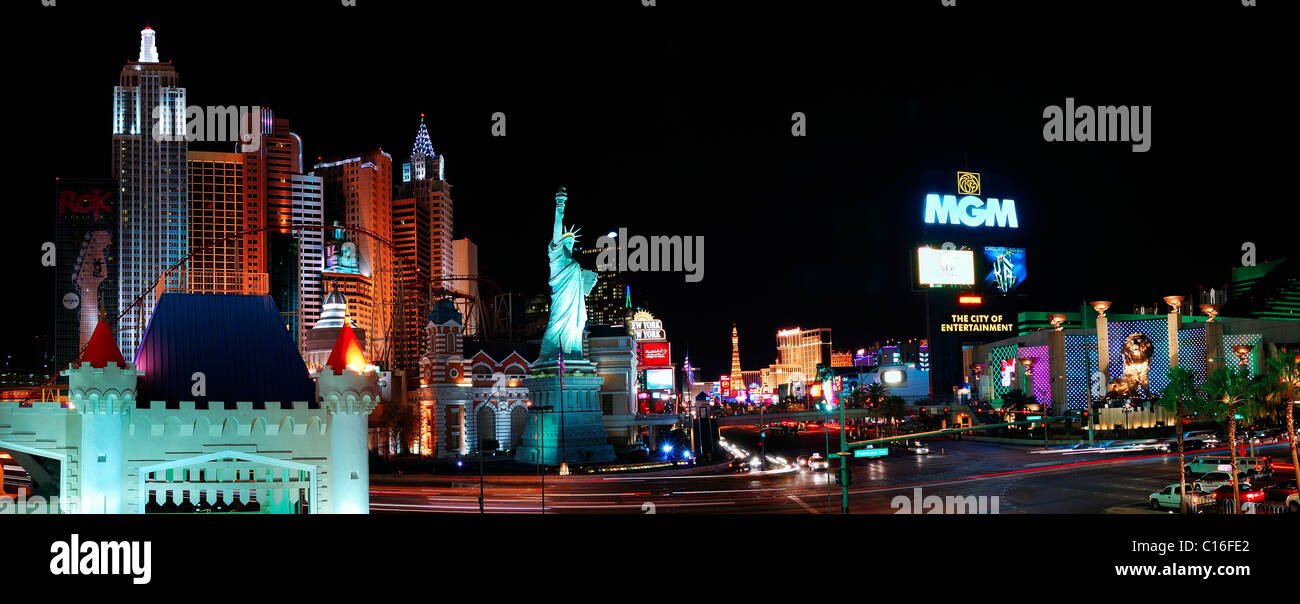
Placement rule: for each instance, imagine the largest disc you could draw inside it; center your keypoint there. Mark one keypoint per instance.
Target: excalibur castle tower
(150, 162)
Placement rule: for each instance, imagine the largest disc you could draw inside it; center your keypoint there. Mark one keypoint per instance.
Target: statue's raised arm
(558, 229)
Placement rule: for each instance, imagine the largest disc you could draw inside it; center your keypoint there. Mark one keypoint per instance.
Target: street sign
(1031, 417)
(881, 452)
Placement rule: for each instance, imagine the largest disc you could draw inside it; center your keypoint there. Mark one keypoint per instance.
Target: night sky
(673, 121)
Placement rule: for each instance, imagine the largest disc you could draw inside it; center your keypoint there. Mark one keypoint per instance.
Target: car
(918, 448)
(1252, 466)
(1168, 497)
(1213, 480)
(1245, 490)
(801, 461)
(1206, 437)
(817, 462)
(1280, 490)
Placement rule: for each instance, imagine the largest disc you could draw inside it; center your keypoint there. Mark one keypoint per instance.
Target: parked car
(1280, 490)
(1247, 492)
(1213, 480)
(1168, 497)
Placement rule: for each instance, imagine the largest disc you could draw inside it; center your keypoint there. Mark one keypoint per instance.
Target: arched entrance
(228, 481)
(518, 419)
(487, 428)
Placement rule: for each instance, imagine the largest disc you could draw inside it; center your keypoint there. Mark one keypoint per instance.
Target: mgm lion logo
(1137, 364)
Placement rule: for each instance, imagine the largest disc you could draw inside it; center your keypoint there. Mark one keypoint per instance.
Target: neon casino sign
(969, 209)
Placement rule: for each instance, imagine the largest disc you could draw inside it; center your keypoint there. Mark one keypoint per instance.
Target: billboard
(659, 379)
(1005, 269)
(945, 267)
(85, 231)
(653, 354)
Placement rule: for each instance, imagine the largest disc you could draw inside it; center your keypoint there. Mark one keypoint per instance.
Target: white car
(1207, 483)
(917, 447)
(817, 462)
(1168, 497)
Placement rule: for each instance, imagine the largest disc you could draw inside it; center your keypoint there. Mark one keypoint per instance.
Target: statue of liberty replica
(564, 424)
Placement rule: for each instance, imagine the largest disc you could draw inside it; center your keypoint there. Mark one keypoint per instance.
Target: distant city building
(152, 184)
(841, 359)
(465, 264)
(358, 193)
(1268, 290)
(219, 261)
(422, 232)
(86, 282)
(610, 300)
(735, 352)
(278, 195)
(804, 348)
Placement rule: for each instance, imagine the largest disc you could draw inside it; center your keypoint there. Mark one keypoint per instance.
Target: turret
(349, 390)
(101, 387)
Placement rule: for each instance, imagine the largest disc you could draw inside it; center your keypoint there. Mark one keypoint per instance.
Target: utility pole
(844, 468)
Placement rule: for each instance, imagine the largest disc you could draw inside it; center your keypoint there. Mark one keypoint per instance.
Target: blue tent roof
(238, 342)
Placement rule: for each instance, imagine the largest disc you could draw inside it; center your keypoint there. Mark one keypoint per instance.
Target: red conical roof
(347, 351)
(102, 349)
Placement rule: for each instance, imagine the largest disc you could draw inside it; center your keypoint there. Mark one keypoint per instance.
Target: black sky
(672, 120)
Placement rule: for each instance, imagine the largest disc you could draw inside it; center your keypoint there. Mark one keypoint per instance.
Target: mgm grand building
(1118, 364)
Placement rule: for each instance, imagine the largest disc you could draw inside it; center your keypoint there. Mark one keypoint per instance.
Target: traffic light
(844, 477)
(945, 409)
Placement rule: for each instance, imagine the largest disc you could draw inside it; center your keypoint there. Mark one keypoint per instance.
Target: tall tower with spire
(422, 233)
(735, 354)
(150, 159)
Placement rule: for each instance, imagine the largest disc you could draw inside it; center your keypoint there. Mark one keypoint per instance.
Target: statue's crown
(568, 232)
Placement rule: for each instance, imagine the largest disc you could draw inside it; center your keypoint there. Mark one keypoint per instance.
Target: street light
(541, 456)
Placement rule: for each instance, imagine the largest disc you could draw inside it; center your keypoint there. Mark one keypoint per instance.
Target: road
(1023, 483)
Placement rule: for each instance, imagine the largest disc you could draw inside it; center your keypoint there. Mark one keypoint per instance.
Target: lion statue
(1137, 364)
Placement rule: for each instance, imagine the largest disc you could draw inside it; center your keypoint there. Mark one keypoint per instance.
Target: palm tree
(875, 393)
(1181, 396)
(1287, 373)
(1014, 402)
(1232, 389)
(892, 409)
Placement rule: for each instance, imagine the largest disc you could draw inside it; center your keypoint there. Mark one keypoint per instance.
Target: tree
(875, 393)
(1180, 397)
(400, 422)
(891, 409)
(1286, 373)
(1014, 402)
(1231, 390)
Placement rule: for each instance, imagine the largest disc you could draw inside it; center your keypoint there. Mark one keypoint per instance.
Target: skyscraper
(150, 163)
(219, 262)
(357, 192)
(422, 231)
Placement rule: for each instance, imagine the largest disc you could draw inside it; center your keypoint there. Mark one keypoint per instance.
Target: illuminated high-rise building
(150, 162)
(804, 348)
(219, 261)
(465, 264)
(610, 300)
(278, 195)
(422, 234)
(358, 192)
